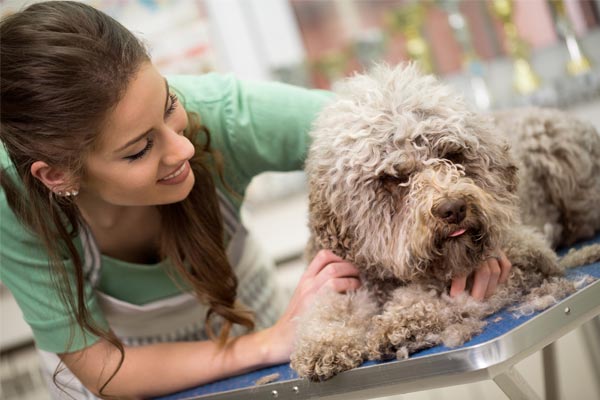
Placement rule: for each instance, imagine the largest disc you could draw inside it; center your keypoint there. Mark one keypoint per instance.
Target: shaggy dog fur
(398, 168)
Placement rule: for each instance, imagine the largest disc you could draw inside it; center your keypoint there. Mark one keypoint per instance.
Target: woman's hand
(491, 272)
(325, 272)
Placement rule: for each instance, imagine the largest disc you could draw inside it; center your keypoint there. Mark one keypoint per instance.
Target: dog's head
(405, 180)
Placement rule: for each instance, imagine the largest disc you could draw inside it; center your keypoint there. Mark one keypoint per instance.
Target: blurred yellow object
(525, 79)
(578, 62)
(408, 20)
(579, 66)
(333, 64)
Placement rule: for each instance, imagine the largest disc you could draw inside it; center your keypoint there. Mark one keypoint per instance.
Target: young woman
(121, 190)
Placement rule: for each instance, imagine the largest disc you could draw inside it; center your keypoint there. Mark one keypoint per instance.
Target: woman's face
(142, 156)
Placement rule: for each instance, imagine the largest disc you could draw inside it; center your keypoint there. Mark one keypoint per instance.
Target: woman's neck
(128, 233)
(105, 216)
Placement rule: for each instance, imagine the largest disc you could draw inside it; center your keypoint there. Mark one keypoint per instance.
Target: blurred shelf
(14, 331)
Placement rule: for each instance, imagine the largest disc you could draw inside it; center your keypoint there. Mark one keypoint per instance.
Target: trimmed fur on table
(267, 379)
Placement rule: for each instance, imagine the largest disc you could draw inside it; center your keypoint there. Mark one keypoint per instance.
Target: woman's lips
(177, 176)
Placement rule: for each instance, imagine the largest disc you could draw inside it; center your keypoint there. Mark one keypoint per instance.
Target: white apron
(178, 318)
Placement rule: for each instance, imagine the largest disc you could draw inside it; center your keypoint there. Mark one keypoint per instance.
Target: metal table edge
(463, 365)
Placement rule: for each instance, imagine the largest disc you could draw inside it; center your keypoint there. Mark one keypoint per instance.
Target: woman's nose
(177, 148)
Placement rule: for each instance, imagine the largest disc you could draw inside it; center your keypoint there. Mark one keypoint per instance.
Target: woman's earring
(66, 193)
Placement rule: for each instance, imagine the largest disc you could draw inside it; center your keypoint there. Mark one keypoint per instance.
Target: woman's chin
(179, 192)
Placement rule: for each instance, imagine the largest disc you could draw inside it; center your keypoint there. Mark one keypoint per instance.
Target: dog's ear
(325, 229)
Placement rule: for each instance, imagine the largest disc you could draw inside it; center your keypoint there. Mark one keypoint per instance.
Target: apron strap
(91, 254)
(234, 229)
(236, 232)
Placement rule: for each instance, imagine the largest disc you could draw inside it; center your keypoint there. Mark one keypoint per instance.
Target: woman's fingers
(486, 278)
(480, 281)
(327, 269)
(338, 276)
(320, 261)
(505, 267)
(458, 286)
(342, 285)
(491, 272)
(494, 268)
(335, 271)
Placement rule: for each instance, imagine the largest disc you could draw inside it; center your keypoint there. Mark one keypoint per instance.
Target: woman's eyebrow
(134, 140)
(143, 135)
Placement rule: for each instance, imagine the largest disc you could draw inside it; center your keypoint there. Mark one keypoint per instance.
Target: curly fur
(560, 173)
(390, 156)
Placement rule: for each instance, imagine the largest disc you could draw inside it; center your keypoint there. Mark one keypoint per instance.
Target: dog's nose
(452, 211)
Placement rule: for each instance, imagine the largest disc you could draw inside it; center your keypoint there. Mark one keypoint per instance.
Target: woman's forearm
(160, 369)
(164, 368)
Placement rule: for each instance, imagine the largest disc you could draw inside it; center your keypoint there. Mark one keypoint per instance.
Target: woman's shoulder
(204, 88)
(16, 236)
(4, 158)
(8, 218)
(217, 87)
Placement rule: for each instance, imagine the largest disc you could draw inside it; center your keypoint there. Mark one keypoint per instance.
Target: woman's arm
(164, 368)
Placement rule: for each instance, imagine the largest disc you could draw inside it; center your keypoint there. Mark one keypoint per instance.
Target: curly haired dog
(415, 189)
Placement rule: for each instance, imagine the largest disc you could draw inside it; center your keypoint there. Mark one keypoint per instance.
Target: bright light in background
(177, 32)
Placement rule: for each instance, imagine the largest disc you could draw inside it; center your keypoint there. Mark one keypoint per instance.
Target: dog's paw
(547, 262)
(528, 250)
(382, 340)
(412, 323)
(457, 334)
(326, 361)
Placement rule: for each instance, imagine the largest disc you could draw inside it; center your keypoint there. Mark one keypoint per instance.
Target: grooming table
(492, 354)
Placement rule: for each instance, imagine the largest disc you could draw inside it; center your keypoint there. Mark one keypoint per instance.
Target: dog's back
(559, 163)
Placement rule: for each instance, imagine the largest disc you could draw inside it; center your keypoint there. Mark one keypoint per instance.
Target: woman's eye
(137, 156)
(174, 103)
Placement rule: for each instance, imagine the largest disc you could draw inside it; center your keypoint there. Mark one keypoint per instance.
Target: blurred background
(497, 53)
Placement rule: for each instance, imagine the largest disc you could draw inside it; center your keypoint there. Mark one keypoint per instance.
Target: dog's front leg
(331, 336)
(416, 318)
(538, 276)
(527, 249)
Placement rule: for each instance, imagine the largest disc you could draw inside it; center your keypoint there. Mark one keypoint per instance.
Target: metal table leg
(550, 368)
(514, 385)
(591, 338)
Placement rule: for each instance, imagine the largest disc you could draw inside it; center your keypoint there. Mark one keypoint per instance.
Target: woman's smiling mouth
(178, 176)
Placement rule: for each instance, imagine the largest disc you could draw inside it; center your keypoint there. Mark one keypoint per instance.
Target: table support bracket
(514, 385)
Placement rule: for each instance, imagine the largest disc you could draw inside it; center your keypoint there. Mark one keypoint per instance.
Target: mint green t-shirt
(256, 126)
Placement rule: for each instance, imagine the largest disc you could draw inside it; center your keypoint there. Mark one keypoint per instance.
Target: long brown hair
(64, 66)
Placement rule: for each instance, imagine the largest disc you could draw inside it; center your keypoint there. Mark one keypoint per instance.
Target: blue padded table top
(505, 336)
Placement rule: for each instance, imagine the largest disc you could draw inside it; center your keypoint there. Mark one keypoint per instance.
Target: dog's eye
(392, 181)
(454, 157)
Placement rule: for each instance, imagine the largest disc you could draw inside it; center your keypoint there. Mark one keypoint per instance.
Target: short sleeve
(257, 126)
(25, 271)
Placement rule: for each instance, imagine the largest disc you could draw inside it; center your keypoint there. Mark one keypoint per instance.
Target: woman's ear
(53, 178)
